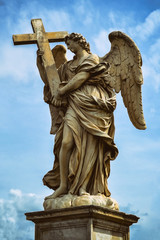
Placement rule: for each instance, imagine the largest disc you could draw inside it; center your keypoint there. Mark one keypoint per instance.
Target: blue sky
(25, 143)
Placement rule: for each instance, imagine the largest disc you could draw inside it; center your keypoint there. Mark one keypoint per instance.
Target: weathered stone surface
(82, 223)
(84, 141)
(70, 200)
(42, 39)
(81, 98)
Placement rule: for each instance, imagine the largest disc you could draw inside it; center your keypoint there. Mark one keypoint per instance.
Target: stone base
(82, 223)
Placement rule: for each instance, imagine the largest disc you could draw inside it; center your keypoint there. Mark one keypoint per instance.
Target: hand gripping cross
(42, 39)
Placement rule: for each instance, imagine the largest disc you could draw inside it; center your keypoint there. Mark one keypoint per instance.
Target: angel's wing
(126, 74)
(59, 54)
(57, 114)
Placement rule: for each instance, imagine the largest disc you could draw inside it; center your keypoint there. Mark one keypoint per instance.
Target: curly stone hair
(77, 37)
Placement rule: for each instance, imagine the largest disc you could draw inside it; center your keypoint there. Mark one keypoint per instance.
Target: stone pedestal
(82, 223)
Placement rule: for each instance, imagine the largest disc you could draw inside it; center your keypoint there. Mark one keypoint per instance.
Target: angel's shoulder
(92, 58)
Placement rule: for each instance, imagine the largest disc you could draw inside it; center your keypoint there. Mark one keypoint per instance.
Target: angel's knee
(67, 141)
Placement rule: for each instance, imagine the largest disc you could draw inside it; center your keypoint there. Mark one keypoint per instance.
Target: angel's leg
(64, 156)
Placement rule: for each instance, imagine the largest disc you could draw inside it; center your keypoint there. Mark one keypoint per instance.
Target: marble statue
(82, 116)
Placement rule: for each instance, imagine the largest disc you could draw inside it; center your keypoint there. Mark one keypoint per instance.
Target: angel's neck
(81, 54)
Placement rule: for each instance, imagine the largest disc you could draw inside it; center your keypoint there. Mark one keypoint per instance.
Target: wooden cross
(42, 39)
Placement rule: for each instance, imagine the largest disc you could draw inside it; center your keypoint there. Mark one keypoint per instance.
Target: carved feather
(59, 54)
(125, 68)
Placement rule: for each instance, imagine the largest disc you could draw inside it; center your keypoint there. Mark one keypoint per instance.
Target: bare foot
(60, 191)
(82, 191)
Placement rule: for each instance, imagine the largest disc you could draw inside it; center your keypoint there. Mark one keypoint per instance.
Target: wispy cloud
(141, 32)
(101, 43)
(151, 65)
(81, 10)
(144, 30)
(128, 24)
(148, 224)
(19, 62)
(13, 225)
(148, 227)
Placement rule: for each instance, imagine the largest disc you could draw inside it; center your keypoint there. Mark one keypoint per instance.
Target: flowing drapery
(89, 115)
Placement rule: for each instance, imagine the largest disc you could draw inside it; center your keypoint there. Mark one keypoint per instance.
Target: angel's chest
(69, 74)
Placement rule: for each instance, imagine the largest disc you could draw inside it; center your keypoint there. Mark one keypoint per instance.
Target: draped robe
(89, 115)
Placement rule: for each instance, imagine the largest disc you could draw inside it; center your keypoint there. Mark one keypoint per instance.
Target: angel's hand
(57, 100)
(39, 58)
(39, 53)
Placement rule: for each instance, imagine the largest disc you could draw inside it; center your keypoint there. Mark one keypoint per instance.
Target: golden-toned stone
(85, 135)
(81, 98)
(70, 200)
(42, 39)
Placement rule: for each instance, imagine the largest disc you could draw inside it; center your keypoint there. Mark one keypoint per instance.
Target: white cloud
(119, 21)
(63, 20)
(52, 18)
(147, 228)
(141, 32)
(81, 11)
(101, 43)
(18, 62)
(148, 225)
(151, 65)
(148, 27)
(13, 225)
(127, 24)
(151, 74)
(16, 193)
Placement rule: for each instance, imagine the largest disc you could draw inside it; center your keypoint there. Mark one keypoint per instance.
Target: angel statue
(82, 116)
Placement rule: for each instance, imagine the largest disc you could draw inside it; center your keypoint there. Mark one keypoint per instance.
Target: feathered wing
(59, 54)
(125, 74)
(57, 114)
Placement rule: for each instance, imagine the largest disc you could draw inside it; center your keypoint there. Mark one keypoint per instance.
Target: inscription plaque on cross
(42, 39)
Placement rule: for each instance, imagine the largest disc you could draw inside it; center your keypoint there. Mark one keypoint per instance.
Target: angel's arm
(74, 83)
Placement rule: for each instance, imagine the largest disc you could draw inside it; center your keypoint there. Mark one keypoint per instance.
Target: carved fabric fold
(89, 115)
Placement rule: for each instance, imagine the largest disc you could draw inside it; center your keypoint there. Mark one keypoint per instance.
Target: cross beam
(42, 39)
(22, 39)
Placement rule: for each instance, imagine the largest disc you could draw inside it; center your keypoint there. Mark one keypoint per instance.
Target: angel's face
(73, 46)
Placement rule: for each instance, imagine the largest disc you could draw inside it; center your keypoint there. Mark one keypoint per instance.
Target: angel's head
(78, 39)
